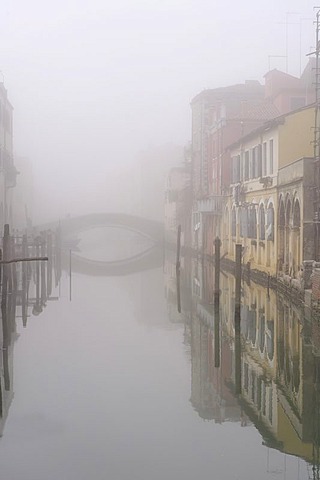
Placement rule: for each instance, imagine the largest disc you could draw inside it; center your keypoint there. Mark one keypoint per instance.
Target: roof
(214, 94)
(280, 73)
(267, 126)
(257, 111)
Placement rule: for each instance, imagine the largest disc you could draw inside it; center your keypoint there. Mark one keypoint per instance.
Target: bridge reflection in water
(279, 355)
(151, 257)
(278, 359)
(27, 287)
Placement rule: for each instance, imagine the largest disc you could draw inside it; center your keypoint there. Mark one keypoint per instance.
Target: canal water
(118, 384)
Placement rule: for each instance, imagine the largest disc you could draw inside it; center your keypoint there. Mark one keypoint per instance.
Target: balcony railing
(213, 204)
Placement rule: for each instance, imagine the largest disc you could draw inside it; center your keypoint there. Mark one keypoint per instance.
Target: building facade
(270, 203)
(242, 136)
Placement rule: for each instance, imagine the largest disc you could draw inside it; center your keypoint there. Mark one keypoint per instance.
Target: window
(271, 157)
(262, 223)
(252, 233)
(243, 222)
(246, 377)
(264, 397)
(261, 332)
(259, 161)
(253, 385)
(253, 163)
(270, 223)
(246, 165)
(264, 159)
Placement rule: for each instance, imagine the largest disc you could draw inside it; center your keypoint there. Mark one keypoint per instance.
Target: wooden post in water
(1, 266)
(70, 274)
(24, 281)
(238, 273)
(178, 291)
(217, 245)
(237, 320)
(237, 351)
(217, 334)
(43, 270)
(178, 248)
(6, 242)
(49, 265)
(5, 326)
(37, 306)
(14, 265)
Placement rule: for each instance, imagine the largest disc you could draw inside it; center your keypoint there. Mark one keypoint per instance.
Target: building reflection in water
(278, 363)
(26, 287)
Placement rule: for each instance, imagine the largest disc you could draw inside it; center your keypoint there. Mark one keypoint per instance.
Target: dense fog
(101, 88)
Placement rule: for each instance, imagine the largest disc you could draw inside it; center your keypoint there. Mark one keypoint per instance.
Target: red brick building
(221, 117)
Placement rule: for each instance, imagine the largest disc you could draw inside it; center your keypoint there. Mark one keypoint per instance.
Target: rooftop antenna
(302, 19)
(316, 139)
(287, 23)
(273, 56)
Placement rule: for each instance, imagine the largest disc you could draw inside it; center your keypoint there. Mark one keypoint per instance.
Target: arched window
(270, 223)
(261, 332)
(288, 212)
(296, 214)
(282, 217)
(252, 223)
(243, 222)
(270, 339)
(262, 223)
(252, 317)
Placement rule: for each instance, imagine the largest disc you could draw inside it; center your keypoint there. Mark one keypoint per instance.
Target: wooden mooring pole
(217, 245)
(70, 275)
(237, 320)
(178, 248)
(217, 335)
(238, 274)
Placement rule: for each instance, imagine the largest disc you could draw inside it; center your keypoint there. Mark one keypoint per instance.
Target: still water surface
(118, 385)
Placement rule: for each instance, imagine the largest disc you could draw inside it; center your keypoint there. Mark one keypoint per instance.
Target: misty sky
(93, 82)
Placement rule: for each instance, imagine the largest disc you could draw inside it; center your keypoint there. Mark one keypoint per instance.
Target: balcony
(213, 204)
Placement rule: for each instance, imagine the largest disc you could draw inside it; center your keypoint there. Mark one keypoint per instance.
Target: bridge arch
(152, 229)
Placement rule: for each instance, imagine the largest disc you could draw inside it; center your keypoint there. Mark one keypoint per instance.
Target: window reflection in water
(279, 362)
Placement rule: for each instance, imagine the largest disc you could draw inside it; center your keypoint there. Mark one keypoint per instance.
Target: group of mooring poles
(6, 252)
(7, 257)
(237, 311)
(178, 265)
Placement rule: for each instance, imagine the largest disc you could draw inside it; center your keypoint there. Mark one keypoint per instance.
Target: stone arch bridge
(71, 226)
(152, 257)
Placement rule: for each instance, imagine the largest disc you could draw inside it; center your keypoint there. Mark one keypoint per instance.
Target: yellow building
(277, 366)
(269, 209)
